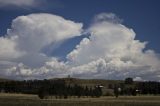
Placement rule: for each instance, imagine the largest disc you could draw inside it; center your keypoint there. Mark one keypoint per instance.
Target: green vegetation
(33, 100)
(79, 92)
(65, 87)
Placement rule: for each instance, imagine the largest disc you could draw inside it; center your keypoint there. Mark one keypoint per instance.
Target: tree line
(60, 89)
(129, 87)
(45, 88)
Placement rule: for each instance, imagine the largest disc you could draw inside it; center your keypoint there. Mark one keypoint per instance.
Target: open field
(33, 100)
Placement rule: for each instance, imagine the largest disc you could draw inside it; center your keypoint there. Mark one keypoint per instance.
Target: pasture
(33, 100)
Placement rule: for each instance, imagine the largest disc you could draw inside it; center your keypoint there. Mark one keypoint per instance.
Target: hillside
(108, 85)
(91, 82)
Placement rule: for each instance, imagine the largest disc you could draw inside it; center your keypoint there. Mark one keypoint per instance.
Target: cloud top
(36, 31)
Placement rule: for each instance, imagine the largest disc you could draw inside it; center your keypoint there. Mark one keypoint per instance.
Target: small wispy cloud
(21, 3)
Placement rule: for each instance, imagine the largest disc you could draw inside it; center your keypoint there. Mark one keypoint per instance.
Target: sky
(107, 39)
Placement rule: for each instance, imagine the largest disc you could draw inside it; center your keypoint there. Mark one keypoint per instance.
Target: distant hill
(4, 80)
(90, 82)
(108, 85)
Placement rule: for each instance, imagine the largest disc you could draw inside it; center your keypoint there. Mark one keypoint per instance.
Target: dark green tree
(42, 93)
(129, 80)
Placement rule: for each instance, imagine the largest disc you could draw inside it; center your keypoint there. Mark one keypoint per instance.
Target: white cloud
(138, 79)
(110, 52)
(107, 40)
(114, 45)
(109, 17)
(19, 3)
(8, 49)
(51, 68)
(29, 36)
(36, 31)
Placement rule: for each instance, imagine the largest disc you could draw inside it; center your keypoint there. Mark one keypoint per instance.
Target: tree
(42, 93)
(86, 91)
(117, 91)
(129, 80)
(98, 91)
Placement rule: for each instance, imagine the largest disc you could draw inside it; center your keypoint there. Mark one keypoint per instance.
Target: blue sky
(81, 38)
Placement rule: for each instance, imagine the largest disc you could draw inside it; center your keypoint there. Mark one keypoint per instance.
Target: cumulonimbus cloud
(110, 52)
(29, 35)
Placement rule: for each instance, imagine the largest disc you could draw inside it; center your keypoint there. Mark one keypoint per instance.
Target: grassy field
(33, 100)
